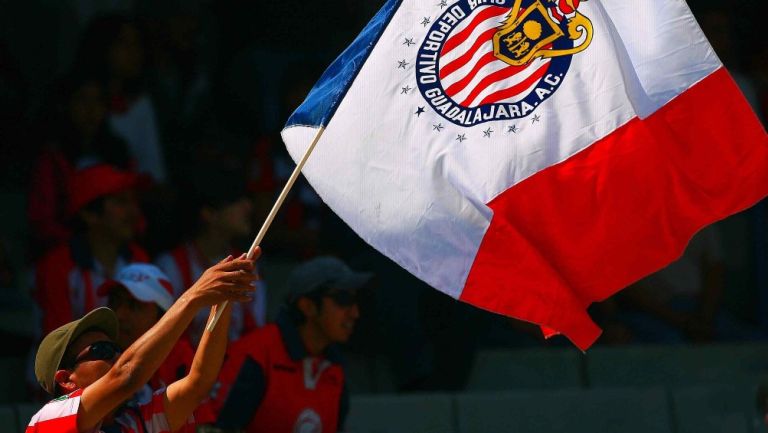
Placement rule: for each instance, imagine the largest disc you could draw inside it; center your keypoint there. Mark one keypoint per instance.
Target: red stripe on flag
(459, 38)
(515, 90)
(556, 14)
(467, 56)
(503, 75)
(458, 86)
(581, 230)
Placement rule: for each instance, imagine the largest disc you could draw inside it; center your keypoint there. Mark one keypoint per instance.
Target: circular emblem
(486, 60)
(308, 422)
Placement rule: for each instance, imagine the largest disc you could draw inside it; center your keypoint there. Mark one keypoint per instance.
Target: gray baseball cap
(324, 271)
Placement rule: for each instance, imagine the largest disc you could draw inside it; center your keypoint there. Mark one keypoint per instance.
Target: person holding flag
(80, 364)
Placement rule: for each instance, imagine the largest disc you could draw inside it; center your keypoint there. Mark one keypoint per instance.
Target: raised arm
(184, 395)
(229, 280)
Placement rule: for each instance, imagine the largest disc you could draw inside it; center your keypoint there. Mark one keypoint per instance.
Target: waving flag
(531, 157)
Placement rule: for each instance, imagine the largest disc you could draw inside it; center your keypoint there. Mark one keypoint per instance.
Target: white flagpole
(260, 236)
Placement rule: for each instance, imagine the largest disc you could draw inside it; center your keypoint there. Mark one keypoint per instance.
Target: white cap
(145, 282)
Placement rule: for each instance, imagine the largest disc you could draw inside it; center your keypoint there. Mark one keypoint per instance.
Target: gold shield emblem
(523, 37)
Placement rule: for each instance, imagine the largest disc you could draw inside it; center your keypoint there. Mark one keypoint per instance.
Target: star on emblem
(419, 112)
(409, 42)
(443, 3)
(425, 21)
(405, 90)
(401, 64)
(488, 132)
(439, 127)
(513, 129)
(461, 137)
(536, 118)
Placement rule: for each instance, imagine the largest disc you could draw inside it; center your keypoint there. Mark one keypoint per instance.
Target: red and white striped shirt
(60, 416)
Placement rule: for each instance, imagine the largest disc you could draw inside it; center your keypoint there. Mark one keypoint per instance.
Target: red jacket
(270, 384)
(67, 278)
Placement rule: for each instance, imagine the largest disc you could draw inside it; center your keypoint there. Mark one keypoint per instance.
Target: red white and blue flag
(531, 157)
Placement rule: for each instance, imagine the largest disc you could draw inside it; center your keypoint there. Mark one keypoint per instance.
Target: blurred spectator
(221, 216)
(682, 302)
(80, 137)
(294, 233)
(179, 75)
(392, 324)
(288, 377)
(300, 220)
(139, 295)
(112, 49)
(102, 198)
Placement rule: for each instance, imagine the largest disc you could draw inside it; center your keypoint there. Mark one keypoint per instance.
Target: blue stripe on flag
(325, 96)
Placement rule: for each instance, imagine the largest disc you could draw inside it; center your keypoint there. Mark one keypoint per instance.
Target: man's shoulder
(59, 408)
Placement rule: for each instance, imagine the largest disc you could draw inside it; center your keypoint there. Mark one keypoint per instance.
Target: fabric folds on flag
(531, 157)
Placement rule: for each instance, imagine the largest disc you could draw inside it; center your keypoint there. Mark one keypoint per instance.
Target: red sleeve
(52, 294)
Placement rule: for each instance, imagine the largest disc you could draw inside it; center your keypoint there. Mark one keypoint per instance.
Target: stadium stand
(714, 409)
(676, 365)
(499, 370)
(595, 411)
(8, 420)
(426, 413)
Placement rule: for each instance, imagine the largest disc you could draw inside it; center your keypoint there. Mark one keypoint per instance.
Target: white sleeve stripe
(57, 409)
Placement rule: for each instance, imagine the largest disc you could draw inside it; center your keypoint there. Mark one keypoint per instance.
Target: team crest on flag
(486, 60)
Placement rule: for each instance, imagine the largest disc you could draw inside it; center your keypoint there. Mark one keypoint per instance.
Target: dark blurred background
(169, 89)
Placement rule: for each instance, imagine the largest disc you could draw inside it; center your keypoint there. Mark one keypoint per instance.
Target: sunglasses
(98, 351)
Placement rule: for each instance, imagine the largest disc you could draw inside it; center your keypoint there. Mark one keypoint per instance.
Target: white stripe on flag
(508, 83)
(462, 72)
(491, 23)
